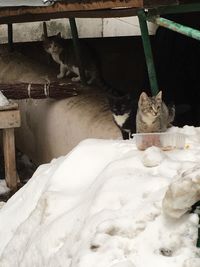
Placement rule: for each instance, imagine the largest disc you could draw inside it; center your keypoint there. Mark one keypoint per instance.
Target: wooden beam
(108, 13)
(9, 119)
(61, 7)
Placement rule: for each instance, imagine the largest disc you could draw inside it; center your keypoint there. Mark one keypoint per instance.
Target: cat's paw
(60, 76)
(76, 79)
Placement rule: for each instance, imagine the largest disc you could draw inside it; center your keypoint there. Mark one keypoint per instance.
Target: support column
(10, 37)
(148, 52)
(77, 48)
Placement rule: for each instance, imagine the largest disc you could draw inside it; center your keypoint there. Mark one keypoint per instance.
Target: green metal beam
(148, 52)
(10, 37)
(77, 49)
(171, 25)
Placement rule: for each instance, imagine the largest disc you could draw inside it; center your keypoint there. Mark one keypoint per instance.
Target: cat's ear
(59, 35)
(159, 96)
(143, 97)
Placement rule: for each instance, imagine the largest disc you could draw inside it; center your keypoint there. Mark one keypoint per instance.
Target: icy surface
(100, 206)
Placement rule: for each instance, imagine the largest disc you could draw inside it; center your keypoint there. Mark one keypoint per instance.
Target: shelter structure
(13, 11)
(19, 11)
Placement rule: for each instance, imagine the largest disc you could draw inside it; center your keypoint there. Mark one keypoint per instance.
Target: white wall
(86, 28)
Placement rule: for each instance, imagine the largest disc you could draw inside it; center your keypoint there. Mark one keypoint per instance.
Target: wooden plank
(106, 13)
(10, 106)
(61, 7)
(9, 158)
(9, 119)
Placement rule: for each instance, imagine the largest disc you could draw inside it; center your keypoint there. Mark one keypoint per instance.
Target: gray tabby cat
(153, 115)
(62, 52)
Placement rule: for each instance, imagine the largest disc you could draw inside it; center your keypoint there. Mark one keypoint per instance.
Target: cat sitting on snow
(153, 115)
(62, 52)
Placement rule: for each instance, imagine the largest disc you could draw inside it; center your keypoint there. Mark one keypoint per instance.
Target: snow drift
(101, 206)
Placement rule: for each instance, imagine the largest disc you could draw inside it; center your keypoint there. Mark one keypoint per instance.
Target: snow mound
(99, 206)
(182, 193)
(153, 156)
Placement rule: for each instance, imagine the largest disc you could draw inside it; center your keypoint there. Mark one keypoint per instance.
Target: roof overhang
(17, 11)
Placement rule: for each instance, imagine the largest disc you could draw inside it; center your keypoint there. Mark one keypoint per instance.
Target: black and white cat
(124, 110)
(62, 52)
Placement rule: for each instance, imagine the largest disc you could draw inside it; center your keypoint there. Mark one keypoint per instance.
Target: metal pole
(171, 25)
(10, 37)
(45, 29)
(148, 52)
(77, 48)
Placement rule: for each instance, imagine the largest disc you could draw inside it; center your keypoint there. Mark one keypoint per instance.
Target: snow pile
(153, 156)
(3, 100)
(182, 193)
(101, 206)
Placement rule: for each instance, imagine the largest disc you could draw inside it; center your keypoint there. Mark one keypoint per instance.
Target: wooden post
(9, 157)
(9, 119)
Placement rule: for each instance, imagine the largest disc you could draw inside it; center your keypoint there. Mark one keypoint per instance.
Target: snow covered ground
(99, 206)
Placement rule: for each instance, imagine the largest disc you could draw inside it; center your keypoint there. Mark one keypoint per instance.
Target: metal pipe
(148, 52)
(171, 25)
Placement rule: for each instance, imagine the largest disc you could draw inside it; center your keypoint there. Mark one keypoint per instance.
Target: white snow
(101, 206)
(3, 100)
(183, 192)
